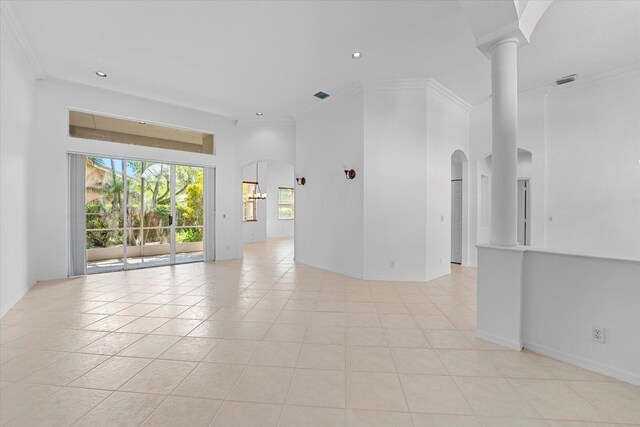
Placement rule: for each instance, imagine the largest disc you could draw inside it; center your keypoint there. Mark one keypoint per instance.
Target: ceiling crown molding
(10, 21)
(430, 85)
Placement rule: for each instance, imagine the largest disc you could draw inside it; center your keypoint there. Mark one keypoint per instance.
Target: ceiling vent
(321, 95)
(566, 79)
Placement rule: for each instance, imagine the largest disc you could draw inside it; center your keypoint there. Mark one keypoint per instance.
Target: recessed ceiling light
(321, 95)
(259, 113)
(356, 55)
(101, 74)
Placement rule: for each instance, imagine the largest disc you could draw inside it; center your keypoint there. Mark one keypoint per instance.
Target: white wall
(565, 295)
(329, 216)
(395, 154)
(279, 174)
(50, 164)
(447, 131)
(593, 167)
(256, 231)
(16, 164)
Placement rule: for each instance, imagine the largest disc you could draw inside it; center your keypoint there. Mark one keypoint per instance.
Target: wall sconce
(301, 180)
(349, 172)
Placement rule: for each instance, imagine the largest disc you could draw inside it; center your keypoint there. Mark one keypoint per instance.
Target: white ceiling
(238, 57)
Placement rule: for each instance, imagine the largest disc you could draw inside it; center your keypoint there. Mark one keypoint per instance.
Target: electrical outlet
(598, 334)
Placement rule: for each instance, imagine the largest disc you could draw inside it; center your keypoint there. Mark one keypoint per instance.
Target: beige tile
(522, 422)
(112, 374)
(322, 356)
(187, 411)
(265, 384)
(325, 335)
(436, 420)
(150, 346)
(369, 359)
(138, 309)
(111, 323)
(286, 333)
(61, 408)
(406, 338)
(296, 416)
(169, 311)
(494, 397)
(210, 380)
(366, 336)
(379, 391)
(273, 353)
(23, 366)
(468, 363)
(198, 313)
(261, 316)
(177, 327)
(311, 387)
(159, 377)
(433, 321)
(363, 418)
(555, 400)
(444, 339)
(363, 320)
(295, 317)
(417, 361)
(212, 329)
(233, 414)
(190, 348)
(18, 397)
(621, 404)
(516, 364)
(397, 321)
(121, 409)
(143, 325)
(248, 331)
(63, 371)
(434, 394)
(111, 344)
(232, 351)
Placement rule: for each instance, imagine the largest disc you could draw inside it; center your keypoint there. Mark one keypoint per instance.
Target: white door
(456, 221)
(524, 208)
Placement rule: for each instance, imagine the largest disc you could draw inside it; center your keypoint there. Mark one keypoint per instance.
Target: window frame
(292, 204)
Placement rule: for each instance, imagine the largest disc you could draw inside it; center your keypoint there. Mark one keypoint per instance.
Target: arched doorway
(459, 207)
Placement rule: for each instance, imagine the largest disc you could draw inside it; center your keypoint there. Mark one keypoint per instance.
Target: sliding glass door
(142, 214)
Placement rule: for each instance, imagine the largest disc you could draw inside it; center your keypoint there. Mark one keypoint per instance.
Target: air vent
(321, 95)
(567, 79)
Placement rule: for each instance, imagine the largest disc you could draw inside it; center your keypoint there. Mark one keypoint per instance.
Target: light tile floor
(267, 342)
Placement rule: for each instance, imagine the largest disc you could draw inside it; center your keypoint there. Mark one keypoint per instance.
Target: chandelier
(257, 194)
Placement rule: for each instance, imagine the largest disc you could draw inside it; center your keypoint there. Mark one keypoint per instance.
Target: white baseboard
(513, 345)
(591, 365)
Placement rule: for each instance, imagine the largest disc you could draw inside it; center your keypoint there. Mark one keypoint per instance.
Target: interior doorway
(458, 207)
(142, 214)
(524, 212)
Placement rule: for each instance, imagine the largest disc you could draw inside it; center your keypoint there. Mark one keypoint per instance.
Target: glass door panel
(104, 197)
(189, 213)
(142, 214)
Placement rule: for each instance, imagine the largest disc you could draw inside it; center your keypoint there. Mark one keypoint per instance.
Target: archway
(524, 200)
(459, 207)
(270, 214)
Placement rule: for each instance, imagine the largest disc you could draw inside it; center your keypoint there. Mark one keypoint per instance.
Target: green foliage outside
(149, 202)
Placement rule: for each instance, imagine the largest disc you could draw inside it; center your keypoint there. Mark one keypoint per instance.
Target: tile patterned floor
(267, 342)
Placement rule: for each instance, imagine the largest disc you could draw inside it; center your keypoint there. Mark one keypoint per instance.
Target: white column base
(500, 280)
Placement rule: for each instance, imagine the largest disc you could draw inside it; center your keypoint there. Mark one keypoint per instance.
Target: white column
(504, 108)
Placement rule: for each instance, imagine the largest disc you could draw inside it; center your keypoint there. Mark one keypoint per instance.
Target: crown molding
(616, 73)
(264, 123)
(337, 96)
(10, 21)
(541, 92)
(430, 85)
